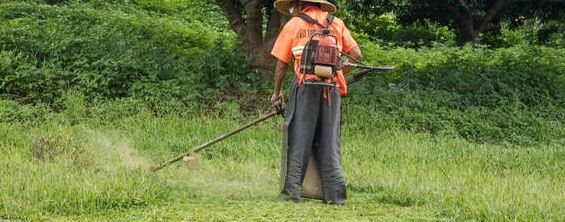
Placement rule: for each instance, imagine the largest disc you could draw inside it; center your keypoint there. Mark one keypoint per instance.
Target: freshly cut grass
(98, 171)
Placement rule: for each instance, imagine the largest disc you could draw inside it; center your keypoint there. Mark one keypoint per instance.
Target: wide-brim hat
(283, 5)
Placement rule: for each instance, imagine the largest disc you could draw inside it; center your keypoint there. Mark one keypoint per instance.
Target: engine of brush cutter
(321, 56)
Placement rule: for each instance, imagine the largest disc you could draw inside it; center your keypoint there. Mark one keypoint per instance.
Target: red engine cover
(326, 53)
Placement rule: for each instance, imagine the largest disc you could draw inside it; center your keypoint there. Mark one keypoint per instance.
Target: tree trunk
(467, 29)
(468, 32)
(250, 30)
(466, 25)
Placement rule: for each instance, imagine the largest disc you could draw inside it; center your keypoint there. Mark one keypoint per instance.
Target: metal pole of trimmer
(220, 138)
(362, 66)
(353, 78)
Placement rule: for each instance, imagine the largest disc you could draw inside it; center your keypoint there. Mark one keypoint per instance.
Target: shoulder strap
(310, 20)
(330, 19)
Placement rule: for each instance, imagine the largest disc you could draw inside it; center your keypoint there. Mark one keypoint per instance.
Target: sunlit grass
(99, 170)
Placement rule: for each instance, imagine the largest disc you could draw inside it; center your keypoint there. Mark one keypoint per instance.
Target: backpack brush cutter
(190, 155)
(321, 57)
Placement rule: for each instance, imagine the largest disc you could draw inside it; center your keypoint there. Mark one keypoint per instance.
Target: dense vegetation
(93, 92)
(514, 95)
(154, 52)
(169, 54)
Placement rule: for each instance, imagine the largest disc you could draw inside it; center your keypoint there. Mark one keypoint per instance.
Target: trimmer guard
(312, 185)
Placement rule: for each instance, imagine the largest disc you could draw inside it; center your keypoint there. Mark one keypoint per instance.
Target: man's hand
(276, 98)
(277, 101)
(355, 53)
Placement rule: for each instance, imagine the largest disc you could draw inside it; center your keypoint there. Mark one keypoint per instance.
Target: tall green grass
(96, 168)
(70, 170)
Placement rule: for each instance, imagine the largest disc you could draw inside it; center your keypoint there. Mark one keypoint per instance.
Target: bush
(102, 50)
(386, 30)
(12, 111)
(527, 31)
(514, 95)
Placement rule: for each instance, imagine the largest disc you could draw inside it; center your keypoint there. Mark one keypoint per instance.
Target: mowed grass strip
(98, 171)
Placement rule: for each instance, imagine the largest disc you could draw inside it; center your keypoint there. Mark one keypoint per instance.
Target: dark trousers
(314, 129)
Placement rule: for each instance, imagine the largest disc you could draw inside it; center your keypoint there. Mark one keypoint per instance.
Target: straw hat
(282, 5)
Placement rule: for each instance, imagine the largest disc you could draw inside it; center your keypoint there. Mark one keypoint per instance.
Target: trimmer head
(192, 161)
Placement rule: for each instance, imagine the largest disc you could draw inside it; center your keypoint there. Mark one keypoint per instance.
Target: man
(312, 116)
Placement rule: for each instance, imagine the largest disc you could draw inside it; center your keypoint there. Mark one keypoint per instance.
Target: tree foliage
(470, 18)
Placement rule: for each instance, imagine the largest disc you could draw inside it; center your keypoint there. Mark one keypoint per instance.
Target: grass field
(71, 168)
(93, 93)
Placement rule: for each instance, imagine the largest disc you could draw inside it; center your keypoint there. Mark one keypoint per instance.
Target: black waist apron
(312, 126)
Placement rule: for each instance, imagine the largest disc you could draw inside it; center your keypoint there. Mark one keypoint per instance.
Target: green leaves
(512, 95)
(111, 50)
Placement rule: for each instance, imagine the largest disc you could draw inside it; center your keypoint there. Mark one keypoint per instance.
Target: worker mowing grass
(314, 38)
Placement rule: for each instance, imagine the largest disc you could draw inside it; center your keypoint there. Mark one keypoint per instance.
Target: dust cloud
(109, 151)
(219, 178)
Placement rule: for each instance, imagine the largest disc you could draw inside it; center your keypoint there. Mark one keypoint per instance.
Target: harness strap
(310, 20)
(329, 19)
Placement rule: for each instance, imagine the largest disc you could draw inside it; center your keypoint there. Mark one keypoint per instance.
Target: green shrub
(114, 51)
(386, 30)
(513, 95)
(527, 31)
(12, 111)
